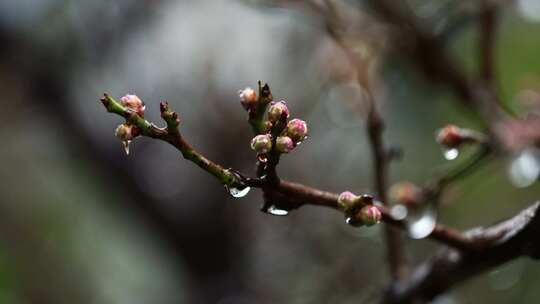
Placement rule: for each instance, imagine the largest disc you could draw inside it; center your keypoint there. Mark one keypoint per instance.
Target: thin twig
(396, 255)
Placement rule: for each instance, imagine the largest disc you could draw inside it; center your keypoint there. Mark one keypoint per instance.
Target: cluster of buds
(278, 134)
(452, 136)
(359, 210)
(406, 193)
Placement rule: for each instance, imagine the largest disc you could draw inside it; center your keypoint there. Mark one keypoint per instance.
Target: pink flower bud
(297, 130)
(126, 132)
(406, 193)
(370, 215)
(248, 98)
(450, 136)
(261, 143)
(278, 111)
(284, 144)
(346, 200)
(134, 103)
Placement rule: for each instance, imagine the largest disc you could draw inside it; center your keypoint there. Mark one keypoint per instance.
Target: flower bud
(267, 127)
(450, 136)
(261, 143)
(134, 103)
(346, 200)
(297, 130)
(370, 215)
(126, 132)
(406, 193)
(248, 98)
(278, 111)
(284, 144)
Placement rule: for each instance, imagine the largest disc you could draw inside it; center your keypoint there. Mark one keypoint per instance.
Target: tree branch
(516, 237)
(284, 194)
(396, 256)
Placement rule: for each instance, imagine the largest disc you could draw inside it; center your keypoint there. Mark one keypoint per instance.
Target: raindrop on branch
(126, 143)
(238, 192)
(524, 170)
(451, 154)
(421, 220)
(276, 211)
(399, 212)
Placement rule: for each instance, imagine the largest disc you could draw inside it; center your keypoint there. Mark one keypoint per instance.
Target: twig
(518, 236)
(435, 188)
(396, 256)
(488, 27)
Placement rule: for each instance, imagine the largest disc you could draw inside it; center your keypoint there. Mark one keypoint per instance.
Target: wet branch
(516, 237)
(287, 195)
(396, 255)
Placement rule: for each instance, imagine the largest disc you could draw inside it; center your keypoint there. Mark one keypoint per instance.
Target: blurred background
(81, 222)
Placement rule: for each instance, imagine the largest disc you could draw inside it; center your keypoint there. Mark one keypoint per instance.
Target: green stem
(173, 137)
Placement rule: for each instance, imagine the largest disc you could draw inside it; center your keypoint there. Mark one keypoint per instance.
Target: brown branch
(284, 194)
(517, 237)
(396, 255)
(488, 27)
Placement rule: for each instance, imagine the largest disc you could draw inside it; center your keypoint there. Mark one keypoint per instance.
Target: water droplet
(451, 154)
(126, 143)
(238, 192)
(524, 170)
(399, 212)
(351, 221)
(276, 211)
(421, 220)
(262, 158)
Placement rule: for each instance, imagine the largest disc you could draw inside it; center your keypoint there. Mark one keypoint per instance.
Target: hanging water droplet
(524, 170)
(126, 143)
(276, 211)
(353, 222)
(399, 212)
(421, 220)
(451, 154)
(238, 192)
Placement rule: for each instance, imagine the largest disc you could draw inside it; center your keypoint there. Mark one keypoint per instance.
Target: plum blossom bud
(346, 200)
(278, 111)
(370, 215)
(297, 130)
(267, 127)
(261, 143)
(134, 103)
(450, 136)
(406, 193)
(126, 132)
(284, 144)
(248, 98)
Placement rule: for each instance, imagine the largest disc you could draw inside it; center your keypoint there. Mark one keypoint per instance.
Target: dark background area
(81, 222)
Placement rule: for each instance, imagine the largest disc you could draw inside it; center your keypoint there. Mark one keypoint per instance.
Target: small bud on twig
(453, 137)
(370, 215)
(133, 102)
(284, 144)
(346, 200)
(297, 130)
(406, 193)
(248, 98)
(261, 143)
(278, 111)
